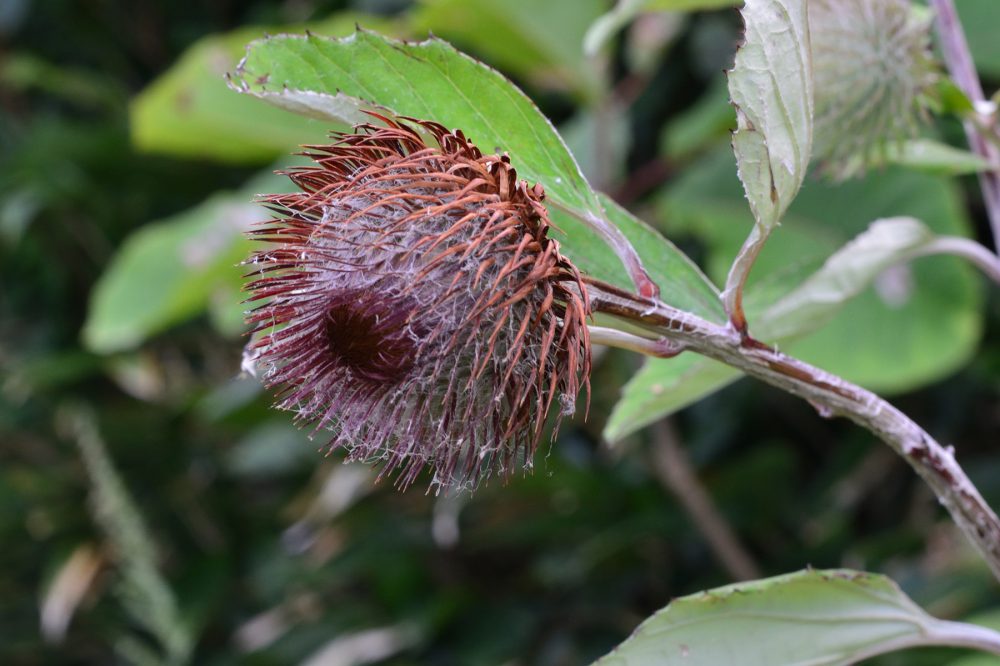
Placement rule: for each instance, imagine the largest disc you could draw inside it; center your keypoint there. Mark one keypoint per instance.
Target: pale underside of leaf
(337, 78)
(169, 270)
(428, 80)
(339, 108)
(663, 386)
(814, 618)
(771, 88)
(926, 155)
(844, 275)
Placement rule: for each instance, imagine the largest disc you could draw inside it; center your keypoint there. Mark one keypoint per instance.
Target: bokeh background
(153, 509)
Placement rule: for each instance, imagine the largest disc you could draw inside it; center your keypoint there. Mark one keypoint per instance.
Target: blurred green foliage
(126, 168)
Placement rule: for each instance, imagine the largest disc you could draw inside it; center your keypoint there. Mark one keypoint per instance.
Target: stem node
(830, 395)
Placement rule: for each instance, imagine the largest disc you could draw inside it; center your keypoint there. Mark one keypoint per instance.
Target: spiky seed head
(412, 302)
(873, 69)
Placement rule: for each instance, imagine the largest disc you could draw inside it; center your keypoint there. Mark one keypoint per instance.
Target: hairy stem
(939, 632)
(963, 634)
(621, 246)
(963, 71)
(973, 252)
(612, 337)
(829, 394)
(739, 272)
(987, 126)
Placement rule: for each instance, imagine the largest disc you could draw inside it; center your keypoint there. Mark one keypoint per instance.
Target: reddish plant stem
(621, 246)
(957, 57)
(829, 394)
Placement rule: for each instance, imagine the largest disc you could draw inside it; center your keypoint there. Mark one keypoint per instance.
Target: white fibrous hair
(414, 306)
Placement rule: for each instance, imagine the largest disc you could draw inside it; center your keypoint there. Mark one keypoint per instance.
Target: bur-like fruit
(412, 303)
(873, 70)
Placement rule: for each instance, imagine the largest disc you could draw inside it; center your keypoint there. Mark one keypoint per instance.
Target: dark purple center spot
(368, 334)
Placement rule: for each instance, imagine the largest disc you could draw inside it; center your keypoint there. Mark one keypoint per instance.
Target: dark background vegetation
(271, 550)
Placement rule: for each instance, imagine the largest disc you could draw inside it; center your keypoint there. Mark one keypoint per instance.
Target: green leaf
(819, 618)
(682, 282)
(975, 660)
(684, 285)
(606, 25)
(537, 41)
(189, 111)
(917, 323)
(928, 155)
(979, 21)
(771, 87)
(845, 275)
(951, 99)
(702, 126)
(338, 78)
(171, 270)
(662, 386)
